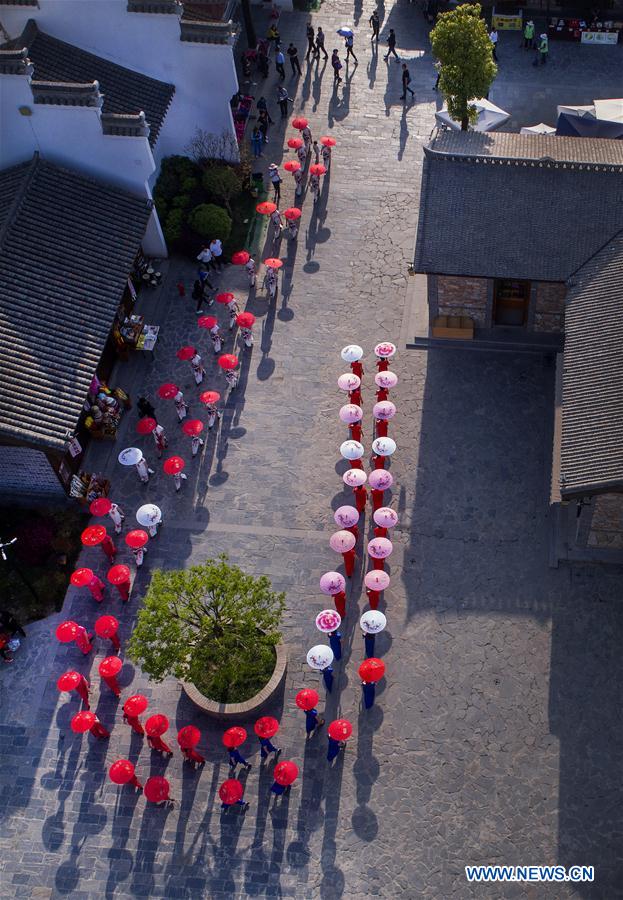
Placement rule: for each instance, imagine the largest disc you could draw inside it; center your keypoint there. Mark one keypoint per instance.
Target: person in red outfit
(380, 427)
(109, 548)
(361, 496)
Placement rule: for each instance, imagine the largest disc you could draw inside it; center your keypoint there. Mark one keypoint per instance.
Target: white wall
(204, 75)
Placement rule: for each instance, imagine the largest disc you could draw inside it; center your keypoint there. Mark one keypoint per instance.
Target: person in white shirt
(206, 257)
(493, 37)
(251, 271)
(216, 249)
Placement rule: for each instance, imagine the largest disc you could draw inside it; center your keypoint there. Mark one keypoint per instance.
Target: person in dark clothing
(200, 293)
(311, 41)
(391, 45)
(263, 121)
(293, 53)
(348, 45)
(320, 44)
(145, 409)
(263, 64)
(375, 24)
(337, 65)
(283, 100)
(406, 79)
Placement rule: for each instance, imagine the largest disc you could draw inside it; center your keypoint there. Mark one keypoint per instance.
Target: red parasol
(186, 352)
(340, 730)
(83, 721)
(67, 631)
(240, 258)
(121, 771)
(135, 705)
(207, 321)
(106, 626)
(307, 699)
(188, 737)
(173, 465)
(110, 666)
(266, 208)
(231, 791)
(136, 539)
(81, 577)
(293, 165)
(192, 427)
(295, 143)
(100, 506)
(286, 772)
(119, 574)
(234, 737)
(317, 169)
(210, 397)
(69, 681)
(266, 727)
(372, 669)
(225, 297)
(328, 141)
(156, 789)
(300, 122)
(293, 213)
(245, 320)
(146, 425)
(228, 361)
(168, 391)
(155, 726)
(93, 535)
(273, 263)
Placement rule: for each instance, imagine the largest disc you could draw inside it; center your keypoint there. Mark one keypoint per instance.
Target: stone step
(541, 348)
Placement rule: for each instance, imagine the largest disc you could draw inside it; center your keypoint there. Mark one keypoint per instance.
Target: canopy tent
(582, 126)
(541, 128)
(490, 116)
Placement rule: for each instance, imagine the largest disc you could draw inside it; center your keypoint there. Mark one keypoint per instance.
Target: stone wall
(463, 297)
(549, 312)
(606, 530)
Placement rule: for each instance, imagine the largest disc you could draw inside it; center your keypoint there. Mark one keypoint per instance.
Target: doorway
(511, 300)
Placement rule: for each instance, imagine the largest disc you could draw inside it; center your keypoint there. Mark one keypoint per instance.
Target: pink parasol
(376, 580)
(348, 382)
(386, 517)
(380, 479)
(384, 410)
(354, 477)
(350, 413)
(343, 541)
(346, 516)
(332, 583)
(379, 548)
(328, 620)
(386, 380)
(385, 350)
(384, 446)
(352, 450)
(351, 353)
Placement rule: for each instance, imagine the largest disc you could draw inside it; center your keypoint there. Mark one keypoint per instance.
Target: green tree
(212, 625)
(173, 223)
(460, 41)
(210, 221)
(224, 183)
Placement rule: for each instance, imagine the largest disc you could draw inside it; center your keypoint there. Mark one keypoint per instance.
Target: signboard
(132, 290)
(507, 23)
(74, 446)
(600, 37)
(148, 338)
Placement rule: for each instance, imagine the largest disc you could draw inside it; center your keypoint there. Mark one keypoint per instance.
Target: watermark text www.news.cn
(530, 873)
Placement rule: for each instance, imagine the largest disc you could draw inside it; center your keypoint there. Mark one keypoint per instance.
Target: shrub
(173, 225)
(210, 221)
(189, 185)
(167, 185)
(224, 183)
(182, 201)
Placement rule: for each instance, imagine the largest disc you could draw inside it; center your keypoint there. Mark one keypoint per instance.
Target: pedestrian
(217, 343)
(283, 99)
(307, 138)
(181, 407)
(391, 45)
(493, 37)
(339, 600)
(195, 445)
(156, 743)
(298, 181)
(355, 429)
(327, 677)
(277, 223)
(381, 427)
(368, 642)
(337, 65)
(233, 310)
(361, 496)
(375, 24)
(270, 282)
(312, 721)
(96, 587)
(139, 555)
(196, 364)
(83, 639)
(251, 271)
(191, 755)
(349, 40)
(368, 688)
(334, 748)
(198, 295)
(205, 257)
(178, 477)
(134, 722)
(266, 747)
(262, 106)
(326, 157)
(263, 121)
(160, 439)
(235, 757)
(145, 409)
(213, 414)
(256, 142)
(216, 248)
(117, 515)
(232, 378)
(155, 727)
(293, 229)
(356, 368)
(311, 44)
(273, 35)
(293, 53)
(316, 152)
(314, 187)
(373, 597)
(110, 551)
(543, 49)
(406, 80)
(528, 35)
(275, 177)
(335, 642)
(301, 153)
(320, 44)
(438, 67)
(280, 63)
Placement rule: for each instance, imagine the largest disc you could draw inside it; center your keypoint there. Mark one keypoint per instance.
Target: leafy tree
(224, 183)
(172, 227)
(210, 221)
(460, 41)
(212, 625)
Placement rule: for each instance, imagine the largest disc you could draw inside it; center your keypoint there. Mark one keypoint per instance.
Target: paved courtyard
(497, 733)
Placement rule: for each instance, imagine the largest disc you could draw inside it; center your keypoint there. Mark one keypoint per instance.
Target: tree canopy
(460, 41)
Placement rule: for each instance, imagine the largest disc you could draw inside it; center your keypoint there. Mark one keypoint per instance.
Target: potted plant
(213, 627)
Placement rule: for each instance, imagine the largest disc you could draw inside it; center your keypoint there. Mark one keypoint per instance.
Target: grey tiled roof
(486, 210)
(124, 90)
(592, 393)
(67, 245)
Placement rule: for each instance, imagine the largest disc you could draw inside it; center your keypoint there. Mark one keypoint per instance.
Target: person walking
(205, 257)
(139, 555)
(96, 588)
(277, 222)
(349, 41)
(311, 43)
(196, 365)
(195, 445)
(391, 46)
(282, 100)
(320, 44)
(232, 378)
(406, 80)
(181, 407)
(267, 747)
(326, 157)
(251, 270)
(160, 440)
(339, 601)
(438, 67)
(368, 642)
(375, 24)
(216, 245)
(528, 35)
(256, 145)
(337, 65)
(235, 757)
(143, 470)
(312, 721)
(335, 642)
(368, 689)
(316, 151)
(307, 138)
(178, 477)
(263, 121)
(215, 335)
(334, 748)
(280, 61)
(298, 181)
(327, 677)
(117, 515)
(233, 309)
(543, 49)
(293, 53)
(275, 177)
(146, 409)
(301, 153)
(314, 187)
(493, 37)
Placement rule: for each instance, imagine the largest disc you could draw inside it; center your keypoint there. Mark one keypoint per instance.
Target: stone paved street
(497, 733)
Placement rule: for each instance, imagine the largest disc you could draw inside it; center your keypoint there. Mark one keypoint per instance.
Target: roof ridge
(19, 196)
(615, 236)
(547, 162)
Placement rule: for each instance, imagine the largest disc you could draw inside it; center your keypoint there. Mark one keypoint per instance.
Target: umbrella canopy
(168, 391)
(319, 657)
(266, 208)
(342, 541)
(300, 122)
(385, 517)
(106, 626)
(286, 772)
(225, 297)
(273, 263)
(293, 213)
(231, 791)
(385, 350)
(121, 771)
(351, 353)
(240, 258)
(345, 31)
(372, 669)
(83, 721)
(352, 450)
(350, 413)
(135, 705)
(348, 381)
(101, 506)
(293, 165)
(266, 727)
(228, 361)
(295, 144)
(93, 535)
(192, 427)
(155, 726)
(340, 730)
(210, 397)
(188, 737)
(317, 169)
(207, 322)
(489, 116)
(373, 621)
(130, 456)
(148, 514)
(384, 446)
(234, 737)
(81, 577)
(354, 477)
(376, 580)
(380, 479)
(307, 699)
(110, 666)
(119, 574)
(146, 425)
(328, 141)
(186, 352)
(380, 548)
(346, 516)
(245, 320)
(386, 379)
(384, 410)
(173, 465)
(156, 789)
(332, 583)
(328, 620)
(136, 539)
(68, 681)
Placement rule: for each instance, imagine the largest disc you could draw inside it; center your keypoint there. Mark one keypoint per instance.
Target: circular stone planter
(226, 711)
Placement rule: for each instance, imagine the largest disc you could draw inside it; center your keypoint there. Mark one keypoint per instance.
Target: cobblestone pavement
(497, 733)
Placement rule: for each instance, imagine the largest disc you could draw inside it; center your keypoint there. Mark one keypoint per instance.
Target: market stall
(598, 31)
